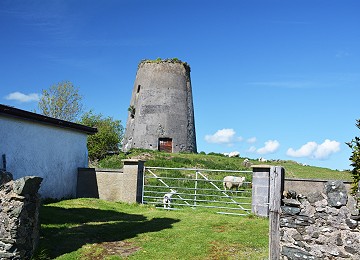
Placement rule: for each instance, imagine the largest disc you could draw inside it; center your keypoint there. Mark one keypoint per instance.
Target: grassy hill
(219, 162)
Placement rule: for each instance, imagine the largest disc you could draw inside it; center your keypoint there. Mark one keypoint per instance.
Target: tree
(354, 144)
(61, 101)
(107, 139)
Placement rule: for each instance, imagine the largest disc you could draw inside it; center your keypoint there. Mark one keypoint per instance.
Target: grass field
(220, 162)
(96, 229)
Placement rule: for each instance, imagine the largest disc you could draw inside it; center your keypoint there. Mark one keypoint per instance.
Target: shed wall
(53, 153)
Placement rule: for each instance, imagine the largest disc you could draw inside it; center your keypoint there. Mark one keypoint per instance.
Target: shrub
(112, 162)
(216, 154)
(108, 138)
(354, 144)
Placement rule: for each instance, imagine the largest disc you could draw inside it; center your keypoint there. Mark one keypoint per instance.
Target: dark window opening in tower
(165, 145)
(131, 109)
(138, 89)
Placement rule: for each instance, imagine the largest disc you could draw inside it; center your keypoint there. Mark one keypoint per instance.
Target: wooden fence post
(276, 189)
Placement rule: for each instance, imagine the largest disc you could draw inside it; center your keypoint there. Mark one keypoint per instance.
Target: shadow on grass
(66, 230)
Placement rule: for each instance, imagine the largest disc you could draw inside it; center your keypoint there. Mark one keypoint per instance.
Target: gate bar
(220, 189)
(194, 169)
(166, 185)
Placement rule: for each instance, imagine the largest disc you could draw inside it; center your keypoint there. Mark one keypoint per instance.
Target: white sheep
(247, 163)
(234, 154)
(233, 182)
(167, 199)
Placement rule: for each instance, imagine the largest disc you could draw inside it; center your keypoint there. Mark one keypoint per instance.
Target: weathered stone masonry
(161, 111)
(320, 225)
(19, 216)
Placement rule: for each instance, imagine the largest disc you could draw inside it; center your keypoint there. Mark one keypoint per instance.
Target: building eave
(30, 116)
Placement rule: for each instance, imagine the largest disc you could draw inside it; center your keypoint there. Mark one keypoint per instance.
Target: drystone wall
(320, 225)
(19, 216)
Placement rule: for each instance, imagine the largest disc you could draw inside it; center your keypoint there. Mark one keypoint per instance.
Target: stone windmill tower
(161, 113)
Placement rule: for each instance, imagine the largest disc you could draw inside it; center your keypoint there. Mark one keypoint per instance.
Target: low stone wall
(19, 216)
(320, 225)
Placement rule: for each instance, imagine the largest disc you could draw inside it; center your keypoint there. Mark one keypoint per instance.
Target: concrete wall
(52, 153)
(305, 186)
(113, 185)
(162, 99)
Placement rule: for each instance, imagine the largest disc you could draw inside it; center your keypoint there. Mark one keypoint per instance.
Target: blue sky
(272, 79)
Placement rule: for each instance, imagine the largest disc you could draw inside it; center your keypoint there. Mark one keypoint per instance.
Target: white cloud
(223, 136)
(20, 97)
(251, 140)
(271, 146)
(315, 151)
(239, 139)
(305, 151)
(252, 149)
(327, 148)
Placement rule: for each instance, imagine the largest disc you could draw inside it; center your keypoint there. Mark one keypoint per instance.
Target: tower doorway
(165, 145)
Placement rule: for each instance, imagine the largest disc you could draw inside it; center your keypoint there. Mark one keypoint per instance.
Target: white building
(37, 145)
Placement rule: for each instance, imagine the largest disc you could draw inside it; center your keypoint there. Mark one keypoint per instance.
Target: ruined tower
(161, 112)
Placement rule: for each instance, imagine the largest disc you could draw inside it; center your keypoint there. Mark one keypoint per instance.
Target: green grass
(294, 170)
(220, 162)
(96, 229)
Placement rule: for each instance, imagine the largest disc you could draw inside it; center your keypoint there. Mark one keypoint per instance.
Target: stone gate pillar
(19, 216)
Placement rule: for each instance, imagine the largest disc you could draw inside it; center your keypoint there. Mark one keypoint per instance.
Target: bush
(108, 138)
(354, 144)
(112, 162)
(216, 154)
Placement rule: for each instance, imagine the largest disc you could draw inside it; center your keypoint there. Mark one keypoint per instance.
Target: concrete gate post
(268, 186)
(132, 190)
(260, 190)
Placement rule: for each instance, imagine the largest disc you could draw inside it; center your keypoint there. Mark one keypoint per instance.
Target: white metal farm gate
(197, 188)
